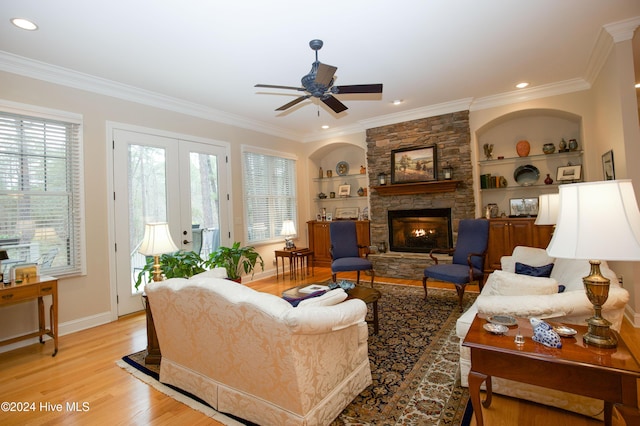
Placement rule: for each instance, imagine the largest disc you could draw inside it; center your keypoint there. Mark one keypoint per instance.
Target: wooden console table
(607, 374)
(34, 288)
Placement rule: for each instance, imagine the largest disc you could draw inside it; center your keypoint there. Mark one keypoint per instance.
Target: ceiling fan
(319, 84)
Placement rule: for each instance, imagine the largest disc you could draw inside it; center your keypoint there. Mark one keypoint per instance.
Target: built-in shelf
(418, 187)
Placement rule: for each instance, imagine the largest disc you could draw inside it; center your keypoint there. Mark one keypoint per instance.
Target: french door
(164, 179)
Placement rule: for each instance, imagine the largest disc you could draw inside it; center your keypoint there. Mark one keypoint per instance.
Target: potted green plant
(235, 260)
(181, 264)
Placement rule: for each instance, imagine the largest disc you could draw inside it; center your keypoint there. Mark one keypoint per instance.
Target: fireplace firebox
(419, 231)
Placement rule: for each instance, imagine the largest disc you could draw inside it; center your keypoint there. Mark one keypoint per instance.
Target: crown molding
(398, 117)
(623, 30)
(599, 55)
(53, 74)
(552, 89)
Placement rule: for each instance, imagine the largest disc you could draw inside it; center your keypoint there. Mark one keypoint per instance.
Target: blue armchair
(345, 251)
(468, 258)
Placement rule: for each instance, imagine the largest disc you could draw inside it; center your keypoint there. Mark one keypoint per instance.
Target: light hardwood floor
(84, 372)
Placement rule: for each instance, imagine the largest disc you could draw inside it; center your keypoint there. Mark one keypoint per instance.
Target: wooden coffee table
(366, 294)
(606, 374)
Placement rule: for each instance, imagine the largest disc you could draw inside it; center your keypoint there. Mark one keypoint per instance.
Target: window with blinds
(40, 193)
(269, 194)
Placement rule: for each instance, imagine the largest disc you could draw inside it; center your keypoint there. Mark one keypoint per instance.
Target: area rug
(414, 363)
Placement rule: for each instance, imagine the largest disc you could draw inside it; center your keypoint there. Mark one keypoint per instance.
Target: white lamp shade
(597, 220)
(157, 240)
(288, 228)
(548, 209)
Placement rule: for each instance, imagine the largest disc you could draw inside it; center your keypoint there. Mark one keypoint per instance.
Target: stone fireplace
(419, 231)
(450, 134)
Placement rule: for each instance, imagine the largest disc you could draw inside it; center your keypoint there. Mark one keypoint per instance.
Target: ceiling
(205, 57)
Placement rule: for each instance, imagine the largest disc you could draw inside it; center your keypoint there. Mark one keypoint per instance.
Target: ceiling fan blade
(360, 88)
(293, 102)
(334, 104)
(271, 86)
(325, 73)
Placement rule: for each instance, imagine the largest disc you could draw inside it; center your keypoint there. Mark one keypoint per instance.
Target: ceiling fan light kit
(319, 84)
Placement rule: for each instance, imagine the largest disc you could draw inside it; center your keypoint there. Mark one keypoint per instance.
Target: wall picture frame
(608, 169)
(344, 190)
(523, 207)
(569, 173)
(346, 213)
(417, 164)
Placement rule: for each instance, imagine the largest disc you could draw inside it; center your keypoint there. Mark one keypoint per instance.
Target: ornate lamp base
(597, 288)
(599, 334)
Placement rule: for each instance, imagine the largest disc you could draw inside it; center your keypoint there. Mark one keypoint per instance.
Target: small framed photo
(525, 207)
(344, 190)
(569, 173)
(319, 217)
(329, 217)
(347, 213)
(608, 171)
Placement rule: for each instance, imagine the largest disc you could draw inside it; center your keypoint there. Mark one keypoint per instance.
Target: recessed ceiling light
(325, 126)
(522, 85)
(397, 101)
(25, 24)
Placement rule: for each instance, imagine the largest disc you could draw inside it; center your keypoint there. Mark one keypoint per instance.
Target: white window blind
(40, 193)
(270, 194)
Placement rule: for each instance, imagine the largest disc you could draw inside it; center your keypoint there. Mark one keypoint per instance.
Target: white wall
(85, 301)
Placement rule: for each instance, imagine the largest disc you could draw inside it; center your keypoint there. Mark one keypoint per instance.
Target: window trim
(44, 113)
(273, 153)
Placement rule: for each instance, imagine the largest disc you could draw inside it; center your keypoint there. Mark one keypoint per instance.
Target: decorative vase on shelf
(573, 144)
(523, 148)
(548, 148)
(548, 180)
(562, 146)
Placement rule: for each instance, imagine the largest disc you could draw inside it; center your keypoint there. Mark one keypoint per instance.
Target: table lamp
(156, 241)
(547, 209)
(597, 220)
(288, 231)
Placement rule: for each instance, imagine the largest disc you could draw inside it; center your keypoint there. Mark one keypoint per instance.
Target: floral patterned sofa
(508, 293)
(253, 355)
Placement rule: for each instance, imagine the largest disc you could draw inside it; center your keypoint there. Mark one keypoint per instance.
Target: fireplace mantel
(418, 187)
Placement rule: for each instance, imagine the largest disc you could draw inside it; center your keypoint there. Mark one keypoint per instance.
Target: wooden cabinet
(507, 233)
(320, 241)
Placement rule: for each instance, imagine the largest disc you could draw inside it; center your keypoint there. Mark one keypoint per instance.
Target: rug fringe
(207, 411)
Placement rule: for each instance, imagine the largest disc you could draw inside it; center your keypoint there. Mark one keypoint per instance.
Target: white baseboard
(64, 328)
(632, 316)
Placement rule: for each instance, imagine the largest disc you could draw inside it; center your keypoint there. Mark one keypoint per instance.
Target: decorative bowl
(526, 175)
(548, 148)
(495, 328)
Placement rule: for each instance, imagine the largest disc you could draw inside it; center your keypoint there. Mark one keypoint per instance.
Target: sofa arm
(323, 319)
(568, 304)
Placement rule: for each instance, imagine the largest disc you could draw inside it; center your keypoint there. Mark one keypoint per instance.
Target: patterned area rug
(414, 362)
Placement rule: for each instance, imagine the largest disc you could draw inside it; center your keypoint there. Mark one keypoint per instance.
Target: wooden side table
(29, 289)
(284, 254)
(301, 260)
(607, 374)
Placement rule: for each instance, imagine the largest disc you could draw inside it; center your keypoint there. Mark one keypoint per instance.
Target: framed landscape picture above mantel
(418, 164)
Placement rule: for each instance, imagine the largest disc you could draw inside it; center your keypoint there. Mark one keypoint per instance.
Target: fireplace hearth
(419, 230)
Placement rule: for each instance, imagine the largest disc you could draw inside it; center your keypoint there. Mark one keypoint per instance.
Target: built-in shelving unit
(538, 127)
